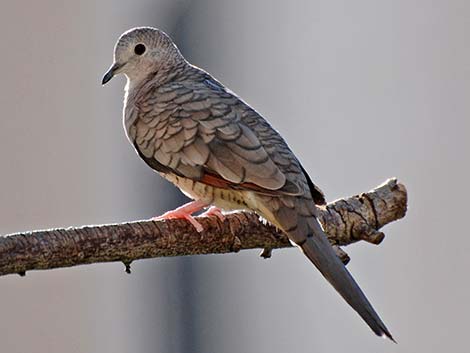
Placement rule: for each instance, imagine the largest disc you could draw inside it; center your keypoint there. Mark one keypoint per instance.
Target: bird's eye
(139, 49)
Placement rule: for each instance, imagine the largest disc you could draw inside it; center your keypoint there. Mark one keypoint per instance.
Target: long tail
(318, 249)
(297, 218)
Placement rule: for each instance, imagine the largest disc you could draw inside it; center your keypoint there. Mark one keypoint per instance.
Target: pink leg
(214, 211)
(185, 212)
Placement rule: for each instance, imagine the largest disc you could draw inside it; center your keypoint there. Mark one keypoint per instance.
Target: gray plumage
(219, 151)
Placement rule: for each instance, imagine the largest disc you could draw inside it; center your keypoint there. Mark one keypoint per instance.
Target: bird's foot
(214, 211)
(185, 212)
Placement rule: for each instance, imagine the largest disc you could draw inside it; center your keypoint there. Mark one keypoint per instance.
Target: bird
(221, 153)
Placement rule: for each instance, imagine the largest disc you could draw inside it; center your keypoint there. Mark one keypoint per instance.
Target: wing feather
(199, 130)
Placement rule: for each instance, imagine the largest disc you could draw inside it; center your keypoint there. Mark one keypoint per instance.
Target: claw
(180, 215)
(214, 211)
(185, 212)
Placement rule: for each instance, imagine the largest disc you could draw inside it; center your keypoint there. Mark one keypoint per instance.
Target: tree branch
(345, 221)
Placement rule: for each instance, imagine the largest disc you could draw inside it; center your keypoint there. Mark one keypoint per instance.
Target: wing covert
(200, 131)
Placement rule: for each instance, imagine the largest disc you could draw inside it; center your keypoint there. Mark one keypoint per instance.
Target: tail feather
(320, 252)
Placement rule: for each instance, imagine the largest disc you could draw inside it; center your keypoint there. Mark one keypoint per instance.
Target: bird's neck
(159, 76)
(170, 71)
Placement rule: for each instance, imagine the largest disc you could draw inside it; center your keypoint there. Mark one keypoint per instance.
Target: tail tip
(385, 334)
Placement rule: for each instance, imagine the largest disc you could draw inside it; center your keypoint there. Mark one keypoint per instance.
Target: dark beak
(110, 73)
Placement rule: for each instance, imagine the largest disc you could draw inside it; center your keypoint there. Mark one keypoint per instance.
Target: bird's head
(141, 52)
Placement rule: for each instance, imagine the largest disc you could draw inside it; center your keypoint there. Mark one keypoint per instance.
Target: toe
(214, 211)
(195, 223)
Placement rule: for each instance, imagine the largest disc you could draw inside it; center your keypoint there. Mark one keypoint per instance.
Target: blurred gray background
(362, 91)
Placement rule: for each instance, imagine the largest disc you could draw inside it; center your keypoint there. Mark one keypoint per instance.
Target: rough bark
(345, 221)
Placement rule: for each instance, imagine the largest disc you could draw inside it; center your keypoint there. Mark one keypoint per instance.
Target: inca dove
(219, 151)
